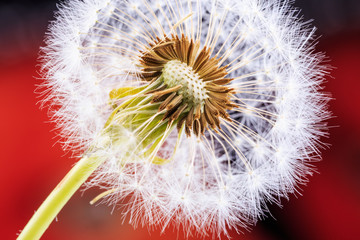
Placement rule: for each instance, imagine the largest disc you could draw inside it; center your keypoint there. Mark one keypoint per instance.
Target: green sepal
(124, 92)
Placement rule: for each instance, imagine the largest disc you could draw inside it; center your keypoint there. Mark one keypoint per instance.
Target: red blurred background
(32, 163)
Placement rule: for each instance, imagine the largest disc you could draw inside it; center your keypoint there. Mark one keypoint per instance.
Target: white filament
(225, 179)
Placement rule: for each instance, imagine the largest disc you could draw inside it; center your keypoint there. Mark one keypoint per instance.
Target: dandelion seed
(200, 112)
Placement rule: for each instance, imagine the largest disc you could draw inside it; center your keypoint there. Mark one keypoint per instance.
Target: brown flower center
(193, 90)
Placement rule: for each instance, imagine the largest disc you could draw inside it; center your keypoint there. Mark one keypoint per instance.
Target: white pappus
(184, 146)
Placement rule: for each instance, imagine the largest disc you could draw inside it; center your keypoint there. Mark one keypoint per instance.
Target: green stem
(48, 210)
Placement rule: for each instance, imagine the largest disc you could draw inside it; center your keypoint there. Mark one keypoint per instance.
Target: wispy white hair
(219, 181)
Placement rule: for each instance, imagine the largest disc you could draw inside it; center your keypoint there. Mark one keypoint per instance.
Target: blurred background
(32, 164)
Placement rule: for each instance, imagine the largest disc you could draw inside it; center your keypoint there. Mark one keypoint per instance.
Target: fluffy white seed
(220, 180)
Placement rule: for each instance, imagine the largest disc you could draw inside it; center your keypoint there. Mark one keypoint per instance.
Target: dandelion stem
(48, 210)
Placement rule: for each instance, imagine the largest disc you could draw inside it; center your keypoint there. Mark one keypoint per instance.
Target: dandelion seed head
(205, 111)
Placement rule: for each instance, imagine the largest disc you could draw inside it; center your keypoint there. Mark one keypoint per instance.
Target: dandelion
(200, 112)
